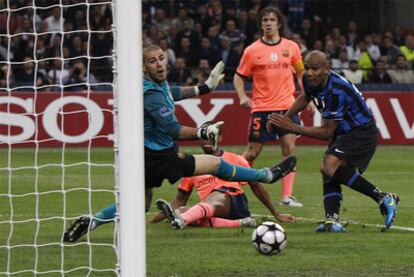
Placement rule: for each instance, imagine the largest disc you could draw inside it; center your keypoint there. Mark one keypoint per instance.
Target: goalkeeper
(162, 157)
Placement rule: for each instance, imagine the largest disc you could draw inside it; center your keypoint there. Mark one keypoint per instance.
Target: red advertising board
(77, 119)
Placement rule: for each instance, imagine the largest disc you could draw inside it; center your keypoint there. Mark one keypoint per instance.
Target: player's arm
(180, 200)
(323, 132)
(239, 85)
(261, 193)
(299, 105)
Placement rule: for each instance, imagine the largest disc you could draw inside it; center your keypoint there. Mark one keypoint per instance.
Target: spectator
(230, 58)
(79, 79)
(401, 74)
(188, 32)
(329, 49)
(168, 52)
(201, 73)
(352, 33)
(235, 35)
(187, 52)
(342, 62)
(391, 51)
(379, 75)
(408, 49)
(10, 23)
(29, 76)
(151, 35)
(317, 45)
(55, 49)
(364, 61)
(208, 52)
(308, 33)
(6, 77)
(180, 74)
(76, 48)
(58, 73)
(203, 17)
(353, 74)
(373, 49)
(161, 21)
(172, 36)
(212, 34)
(398, 36)
(296, 38)
(55, 20)
(251, 26)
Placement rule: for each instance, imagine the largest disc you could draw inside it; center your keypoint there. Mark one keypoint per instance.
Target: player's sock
(104, 216)
(200, 211)
(354, 180)
(287, 185)
(231, 172)
(217, 222)
(332, 198)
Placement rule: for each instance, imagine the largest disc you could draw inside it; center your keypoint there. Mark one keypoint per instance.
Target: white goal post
(131, 142)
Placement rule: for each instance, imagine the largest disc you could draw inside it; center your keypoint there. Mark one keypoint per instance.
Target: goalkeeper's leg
(84, 223)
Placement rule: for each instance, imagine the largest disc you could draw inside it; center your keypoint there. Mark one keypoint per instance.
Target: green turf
(361, 251)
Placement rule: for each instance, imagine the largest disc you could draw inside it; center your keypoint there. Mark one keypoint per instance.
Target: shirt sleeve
(157, 106)
(186, 184)
(245, 67)
(296, 59)
(176, 93)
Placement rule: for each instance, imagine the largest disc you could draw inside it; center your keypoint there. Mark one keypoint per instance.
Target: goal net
(58, 136)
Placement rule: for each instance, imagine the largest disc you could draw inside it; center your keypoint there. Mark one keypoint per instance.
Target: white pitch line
(409, 229)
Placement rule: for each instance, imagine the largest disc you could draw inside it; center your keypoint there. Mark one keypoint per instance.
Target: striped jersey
(161, 127)
(340, 100)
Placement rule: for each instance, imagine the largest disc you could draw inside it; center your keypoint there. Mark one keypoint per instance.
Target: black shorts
(239, 206)
(258, 131)
(356, 147)
(167, 164)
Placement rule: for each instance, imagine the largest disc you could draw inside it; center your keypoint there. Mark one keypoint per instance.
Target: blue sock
(105, 215)
(231, 172)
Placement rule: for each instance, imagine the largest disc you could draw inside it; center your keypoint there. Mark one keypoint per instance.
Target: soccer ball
(269, 238)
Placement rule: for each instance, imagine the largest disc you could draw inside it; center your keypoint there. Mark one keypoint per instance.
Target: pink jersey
(271, 67)
(204, 184)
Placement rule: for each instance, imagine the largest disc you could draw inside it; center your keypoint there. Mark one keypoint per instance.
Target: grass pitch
(362, 251)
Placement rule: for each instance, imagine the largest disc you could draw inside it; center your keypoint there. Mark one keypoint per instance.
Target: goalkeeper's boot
(388, 208)
(174, 216)
(79, 228)
(330, 225)
(284, 168)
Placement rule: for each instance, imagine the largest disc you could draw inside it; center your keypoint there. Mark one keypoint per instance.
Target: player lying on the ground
(222, 203)
(350, 128)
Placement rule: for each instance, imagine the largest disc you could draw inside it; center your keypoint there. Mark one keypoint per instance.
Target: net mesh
(57, 159)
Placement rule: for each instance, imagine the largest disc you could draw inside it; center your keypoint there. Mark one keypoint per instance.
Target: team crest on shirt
(273, 56)
(285, 53)
(165, 111)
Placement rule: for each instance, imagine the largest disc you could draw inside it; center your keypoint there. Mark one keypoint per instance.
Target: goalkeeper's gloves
(210, 131)
(213, 80)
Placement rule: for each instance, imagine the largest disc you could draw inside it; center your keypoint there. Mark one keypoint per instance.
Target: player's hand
(216, 76)
(211, 131)
(282, 121)
(286, 218)
(245, 101)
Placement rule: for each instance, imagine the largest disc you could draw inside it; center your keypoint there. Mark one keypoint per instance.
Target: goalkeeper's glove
(210, 131)
(213, 80)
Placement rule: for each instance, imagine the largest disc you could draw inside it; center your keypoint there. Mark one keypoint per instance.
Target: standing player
(271, 62)
(350, 128)
(222, 203)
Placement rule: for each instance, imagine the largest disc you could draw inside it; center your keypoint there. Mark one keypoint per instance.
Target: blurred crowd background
(68, 44)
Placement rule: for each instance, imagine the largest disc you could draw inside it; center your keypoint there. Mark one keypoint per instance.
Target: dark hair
(279, 16)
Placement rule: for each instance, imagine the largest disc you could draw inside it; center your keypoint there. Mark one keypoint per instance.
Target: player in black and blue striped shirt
(350, 128)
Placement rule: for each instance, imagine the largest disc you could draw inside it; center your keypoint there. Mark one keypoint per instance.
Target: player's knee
(251, 154)
(327, 171)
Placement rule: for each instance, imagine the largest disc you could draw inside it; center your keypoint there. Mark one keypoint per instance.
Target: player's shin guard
(200, 211)
(332, 199)
(351, 178)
